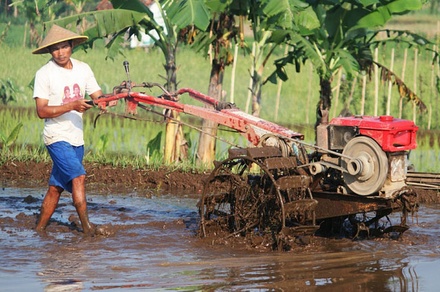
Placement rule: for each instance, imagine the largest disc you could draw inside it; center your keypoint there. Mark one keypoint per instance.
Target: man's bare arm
(46, 111)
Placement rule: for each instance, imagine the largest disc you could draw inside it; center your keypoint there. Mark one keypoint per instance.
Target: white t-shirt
(61, 86)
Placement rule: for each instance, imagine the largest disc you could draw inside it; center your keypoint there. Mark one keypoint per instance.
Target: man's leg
(48, 207)
(80, 203)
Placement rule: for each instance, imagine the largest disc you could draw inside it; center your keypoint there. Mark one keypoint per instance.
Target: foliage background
(114, 137)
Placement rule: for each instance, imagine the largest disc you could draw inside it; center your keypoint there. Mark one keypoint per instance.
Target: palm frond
(347, 61)
(308, 50)
(402, 88)
(103, 23)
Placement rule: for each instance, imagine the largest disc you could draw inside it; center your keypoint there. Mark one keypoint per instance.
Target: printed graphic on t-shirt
(69, 97)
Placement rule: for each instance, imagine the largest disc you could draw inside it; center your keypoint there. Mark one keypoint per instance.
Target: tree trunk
(256, 98)
(207, 140)
(175, 145)
(256, 91)
(323, 107)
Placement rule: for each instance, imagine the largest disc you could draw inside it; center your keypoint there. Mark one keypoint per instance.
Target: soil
(109, 179)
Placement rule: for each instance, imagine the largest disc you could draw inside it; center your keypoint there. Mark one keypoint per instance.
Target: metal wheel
(239, 198)
(368, 168)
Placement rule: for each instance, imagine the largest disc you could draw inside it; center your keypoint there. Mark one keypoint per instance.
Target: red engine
(374, 152)
(391, 134)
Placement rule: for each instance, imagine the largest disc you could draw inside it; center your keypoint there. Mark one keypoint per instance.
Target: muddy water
(150, 244)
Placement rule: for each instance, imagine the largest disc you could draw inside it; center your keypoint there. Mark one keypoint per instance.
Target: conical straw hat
(56, 35)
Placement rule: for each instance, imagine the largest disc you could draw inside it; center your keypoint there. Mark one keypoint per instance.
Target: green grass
(427, 154)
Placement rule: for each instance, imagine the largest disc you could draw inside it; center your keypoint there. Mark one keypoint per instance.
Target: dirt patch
(428, 196)
(105, 178)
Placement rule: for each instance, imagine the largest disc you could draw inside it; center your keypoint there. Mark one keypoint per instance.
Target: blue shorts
(67, 164)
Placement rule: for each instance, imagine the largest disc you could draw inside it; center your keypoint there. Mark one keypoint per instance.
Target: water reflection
(63, 265)
(154, 248)
(336, 271)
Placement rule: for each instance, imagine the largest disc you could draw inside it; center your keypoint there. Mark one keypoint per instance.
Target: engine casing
(394, 136)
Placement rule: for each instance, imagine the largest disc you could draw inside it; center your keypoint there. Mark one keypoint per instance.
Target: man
(63, 125)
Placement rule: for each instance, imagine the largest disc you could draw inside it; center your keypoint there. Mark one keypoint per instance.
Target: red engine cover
(390, 133)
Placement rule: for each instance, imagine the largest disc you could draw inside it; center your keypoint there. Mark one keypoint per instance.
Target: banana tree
(266, 18)
(345, 38)
(268, 21)
(132, 17)
(216, 41)
(35, 11)
(78, 6)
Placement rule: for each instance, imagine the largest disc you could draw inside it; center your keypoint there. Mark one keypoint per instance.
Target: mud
(105, 178)
(149, 242)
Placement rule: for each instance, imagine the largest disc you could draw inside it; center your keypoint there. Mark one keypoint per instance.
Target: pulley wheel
(368, 168)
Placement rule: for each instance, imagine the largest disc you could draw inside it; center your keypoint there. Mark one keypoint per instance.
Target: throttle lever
(127, 71)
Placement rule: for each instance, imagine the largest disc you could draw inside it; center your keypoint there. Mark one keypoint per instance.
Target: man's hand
(82, 105)
(46, 111)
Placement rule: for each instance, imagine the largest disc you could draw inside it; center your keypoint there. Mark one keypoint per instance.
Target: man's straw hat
(56, 35)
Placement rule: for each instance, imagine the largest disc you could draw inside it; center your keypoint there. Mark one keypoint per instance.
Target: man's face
(61, 53)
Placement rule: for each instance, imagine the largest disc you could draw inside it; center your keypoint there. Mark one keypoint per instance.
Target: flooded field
(151, 244)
